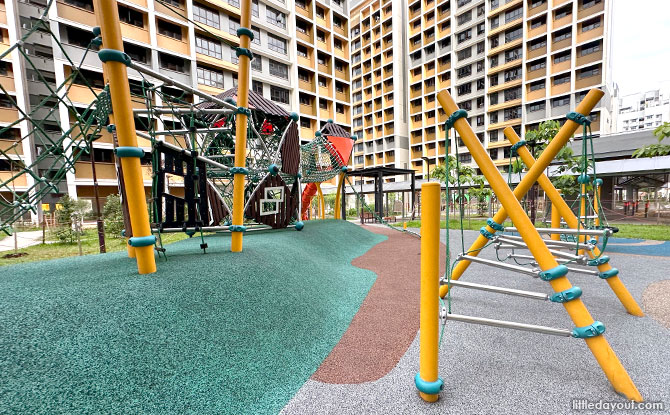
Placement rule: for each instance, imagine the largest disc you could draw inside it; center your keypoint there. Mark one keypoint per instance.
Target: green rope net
(25, 180)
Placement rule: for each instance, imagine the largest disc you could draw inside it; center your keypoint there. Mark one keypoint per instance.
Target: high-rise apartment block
(643, 110)
(508, 63)
(301, 62)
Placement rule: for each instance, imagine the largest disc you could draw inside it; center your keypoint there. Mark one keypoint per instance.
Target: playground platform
(323, 321)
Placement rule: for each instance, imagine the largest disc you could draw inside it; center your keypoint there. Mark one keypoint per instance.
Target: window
(278, 69)
(257, 64)
(254, 8)
(339, 66)
(337, 21)
(171, 62)
(512, 113)
(233, 25)
(590, 24)
(540, 21)
(169, 29)
(466, 105)
(537, 44)
(512, 74)
(277, 44)
(561, 57)
(205, 15)
(590, 3)
(590, 48)
(481, 27)
(82, 4)
(494, 61)
(464, 71)
(512, 55)
(462, 3)
(464, 89)
(562, 79)
(480, 10)
(76, 37)
(495, 22)
(234, 3)
(513, 14)
(493, 80)
(560, 102)
(511, 35)
(275, 17)
(320, 36)
(302, 51)
(303, 76)
(480, 47)
(130, 16)
(493, 99)
(465, 17)
(323, 83)
(337, 43)
(564, 12)
(208, 47)
(320, 13)
(278, 94)
(257, 35)
(563, 34)
(512, 94)
(210, 77)
(464, 35)
(464, 54)
(537, 65)
(301, 27)
(136, 53)
(493, 136)
(321, 59)
(480, 120)
(480, 66)
(585, 73)
(480, 102)
(538, 106)
(536, 86)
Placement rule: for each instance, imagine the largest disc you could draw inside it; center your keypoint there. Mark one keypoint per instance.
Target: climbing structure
(551, 259)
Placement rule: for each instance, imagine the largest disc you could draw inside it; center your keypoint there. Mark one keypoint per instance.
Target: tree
(112, 213)
(69, 217)
(653, 150)
(480, 193)
(454, 172)
(537, 140)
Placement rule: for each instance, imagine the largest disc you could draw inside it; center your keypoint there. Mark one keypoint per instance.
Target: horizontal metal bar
(169, 81)
(550, 246)
(583, 271)
(548, 242)
(509, 325)
(208, 229)
(498, 264)
(500, 290)
(197, 131)
(566, 231)
(554, 252)
(194, 110)
(188, 152)
(530, 258)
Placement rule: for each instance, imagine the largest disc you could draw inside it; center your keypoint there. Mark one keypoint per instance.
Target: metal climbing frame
(591, 331)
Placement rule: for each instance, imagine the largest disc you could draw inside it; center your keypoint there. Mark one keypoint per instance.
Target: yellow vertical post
(580, 316)
(119, 89)
(427, 380)
(571, 220)
(322, 202)
(547, 156)
(555, 221)
(338, 195)
(239, 179)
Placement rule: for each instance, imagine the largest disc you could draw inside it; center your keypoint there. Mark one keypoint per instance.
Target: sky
(640, 44)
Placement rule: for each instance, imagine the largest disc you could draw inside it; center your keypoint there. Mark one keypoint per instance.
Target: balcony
(442, 84)
(168, 11)
(308, 109)
(504, 67)
(561, 44)
(307, 36)
(414, 108)
(498, 144)
(325, 91)
(531, 54)
(20, 183)
(3, 14)
(503, 124)
(415, 124)
(538, 73)
(388, 129)
(537, 10)
(537, 94)
(590, 58)
(324, 68)
(326, 113)
(307, 86)
(7, 82)
(103, 171)
(136, 33)
(414, 13)
(588, 81)
(505, 27)
(11, 147)
(414, 46)
(306, 61)
(340, 30)
(342, 118)
(306, 12)
(441, 67)
(173, 45)
(323, 45)
(429, 88)
(417, 152)
(583, 13)
(536, 31)
(563, 21)
(560, 89)
(505, 46)
(560, 67)
(429, 136)
(342, 53)
(442, 33)
(504, 7)
(307, 133)
(342, 96)
(428, 71)
(74, 14)
(588, 35)
(506, 104)
(505, 85)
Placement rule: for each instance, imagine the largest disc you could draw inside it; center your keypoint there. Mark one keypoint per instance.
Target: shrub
(113, 216)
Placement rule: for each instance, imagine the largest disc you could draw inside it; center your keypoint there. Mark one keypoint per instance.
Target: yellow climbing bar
(580, 316)
(571, 220)
(547, 156)
(119, 89)
(239, 179)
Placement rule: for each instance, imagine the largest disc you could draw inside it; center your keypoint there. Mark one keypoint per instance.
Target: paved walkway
(24, 239)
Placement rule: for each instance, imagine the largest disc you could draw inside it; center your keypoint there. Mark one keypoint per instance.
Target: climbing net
(37, 150)
(319, 160)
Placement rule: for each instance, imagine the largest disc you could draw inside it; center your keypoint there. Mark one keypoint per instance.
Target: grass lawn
(89, 245)
(654, 232)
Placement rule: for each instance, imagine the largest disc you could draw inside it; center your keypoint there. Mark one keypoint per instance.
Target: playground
(268, 307)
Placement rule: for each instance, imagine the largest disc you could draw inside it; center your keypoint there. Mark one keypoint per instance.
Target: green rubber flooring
(215, 333)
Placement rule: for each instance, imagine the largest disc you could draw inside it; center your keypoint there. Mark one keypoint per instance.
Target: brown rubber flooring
(388, 319)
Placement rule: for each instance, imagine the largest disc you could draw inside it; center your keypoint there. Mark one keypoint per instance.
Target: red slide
(307, 195)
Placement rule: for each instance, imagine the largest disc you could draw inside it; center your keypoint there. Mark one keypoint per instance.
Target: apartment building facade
(379, 82)
(508, 63)
(643, 110)
(306, 71)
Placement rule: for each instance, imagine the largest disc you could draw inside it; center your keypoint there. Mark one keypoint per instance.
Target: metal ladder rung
(508, 324)
(500, 290)
(498, 264)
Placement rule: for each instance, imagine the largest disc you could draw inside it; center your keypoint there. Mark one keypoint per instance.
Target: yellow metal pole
(427, 380)
(338, 205)
(110, 30)
(547, 156)
(580, 316)
(555, 221)
(322, 202)
(571, 220)
(239, 179)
